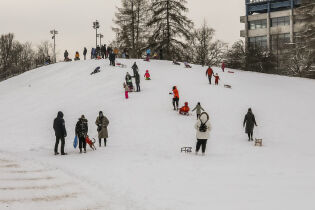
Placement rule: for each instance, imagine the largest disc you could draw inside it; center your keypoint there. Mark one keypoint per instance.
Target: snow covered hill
(142, 166)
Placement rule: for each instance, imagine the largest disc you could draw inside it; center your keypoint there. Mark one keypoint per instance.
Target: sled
(97, 70)
(258, 142)
(184, 113)
(75, 142)
(121, 65)
(231, 72)
(227, 86)
(186, 149)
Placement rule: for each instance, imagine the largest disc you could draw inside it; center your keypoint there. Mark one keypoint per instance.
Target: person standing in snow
(81, 130)
(249, 123)
(103, 51)
(135, 69)
(175, 98)
(209, 73)
(112, 58)
(126, 90)
(137, 79)
(84, 53)
(102, 124)
(198, 109)
(66, 55)
(203, 128)
(223, 66)
(217, 78)
(60, 133)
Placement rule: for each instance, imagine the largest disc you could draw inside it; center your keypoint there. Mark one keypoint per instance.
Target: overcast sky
(31, 20)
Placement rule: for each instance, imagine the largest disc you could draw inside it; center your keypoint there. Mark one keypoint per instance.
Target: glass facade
(257, 24)
(280, 21)
(278, 41)
(258, 41)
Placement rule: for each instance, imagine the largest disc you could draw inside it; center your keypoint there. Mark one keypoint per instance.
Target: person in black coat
(135, 69)
(112, 58)
(84, 53)
(65, 55)
(81, 130)
(103, 51)
(60, 133)
(137, 78)
(249, 123)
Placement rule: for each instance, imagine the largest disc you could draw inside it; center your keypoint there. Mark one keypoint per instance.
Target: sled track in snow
(26, 185)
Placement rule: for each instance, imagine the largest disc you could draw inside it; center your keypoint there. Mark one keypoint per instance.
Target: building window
(280, 21)
(278, 41)
(259, 41)
(257, 24)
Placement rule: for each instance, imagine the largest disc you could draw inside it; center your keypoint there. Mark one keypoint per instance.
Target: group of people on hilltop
(81, 131)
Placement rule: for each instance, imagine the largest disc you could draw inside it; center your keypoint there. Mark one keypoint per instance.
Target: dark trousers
(82, 143)
(84, 57)
(201, 143)
(210, 77)
(105, 141)
(175, 103)
(138, 87)
(250, 136)
(198, 116)
(62, 139)
(112, 62)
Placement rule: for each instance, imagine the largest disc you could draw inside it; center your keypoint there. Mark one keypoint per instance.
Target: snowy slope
(142, 167)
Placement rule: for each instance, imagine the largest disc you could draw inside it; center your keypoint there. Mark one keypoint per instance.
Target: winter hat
(186, 103)
(198, 103)
(250, 110)
(60, 114)
(204, 117)
(147, 71)
(82, 117)
(100, 113)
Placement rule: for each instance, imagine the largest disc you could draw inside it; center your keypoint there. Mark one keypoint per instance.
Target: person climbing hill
(198, 109)
(217, 78)
(209, 73)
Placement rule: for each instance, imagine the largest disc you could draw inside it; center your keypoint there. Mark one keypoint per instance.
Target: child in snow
(223, 66)
(77, 56)
(184, 110)
(198, 109)
(126, 90)
(217, 78)
(187, 65)
(147, 75)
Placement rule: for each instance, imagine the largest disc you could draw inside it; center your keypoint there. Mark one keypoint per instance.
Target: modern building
(270, 23)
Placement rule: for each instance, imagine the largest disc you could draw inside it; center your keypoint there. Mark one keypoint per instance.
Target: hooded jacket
(198, 109)
(59, 126)
(81, 128)
(204, 118)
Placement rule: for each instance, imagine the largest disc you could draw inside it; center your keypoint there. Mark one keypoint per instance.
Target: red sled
(231, 72)
(90, 142)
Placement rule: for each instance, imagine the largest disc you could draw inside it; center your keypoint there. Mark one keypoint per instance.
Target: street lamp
(101, 37)
(96, 25)
(54, 33)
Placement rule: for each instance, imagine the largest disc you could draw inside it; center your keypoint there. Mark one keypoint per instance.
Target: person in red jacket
(209, 73)
(147, 75)
(223, 66)
(217, 78)
(175, 98)
(185, 109)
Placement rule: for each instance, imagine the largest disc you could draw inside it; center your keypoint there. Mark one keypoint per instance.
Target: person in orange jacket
(209, 73)
(217, 78)
(175, 98)
(185, 109)
(147, 75)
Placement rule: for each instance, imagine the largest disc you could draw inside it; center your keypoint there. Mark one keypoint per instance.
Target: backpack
(203, 127)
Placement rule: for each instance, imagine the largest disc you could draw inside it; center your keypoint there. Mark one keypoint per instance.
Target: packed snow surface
(142, 167)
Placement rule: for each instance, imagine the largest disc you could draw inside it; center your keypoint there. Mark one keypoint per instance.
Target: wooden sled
(258, 142)
(186, 149)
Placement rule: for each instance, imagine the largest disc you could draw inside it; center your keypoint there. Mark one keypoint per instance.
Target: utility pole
(54, 33)
(96, 25)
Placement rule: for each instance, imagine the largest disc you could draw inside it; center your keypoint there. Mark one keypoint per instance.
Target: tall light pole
(54, 33)
(96, 25)
(101, 37)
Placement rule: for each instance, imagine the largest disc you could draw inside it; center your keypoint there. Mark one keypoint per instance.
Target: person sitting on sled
(77, 56)
(217, 78)
(128, 79)
(147, 75)
(184, 110)
(187, 65)
(175, 62)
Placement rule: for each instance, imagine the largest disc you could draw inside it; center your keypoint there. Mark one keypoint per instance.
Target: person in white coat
(203, 128)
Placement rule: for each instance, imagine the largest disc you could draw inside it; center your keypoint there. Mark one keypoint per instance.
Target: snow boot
(64, 153)
(80, 150)
(56, 153)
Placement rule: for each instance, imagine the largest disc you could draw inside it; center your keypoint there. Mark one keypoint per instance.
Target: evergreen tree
(170, 26)
(131, 24)
(235, 57)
